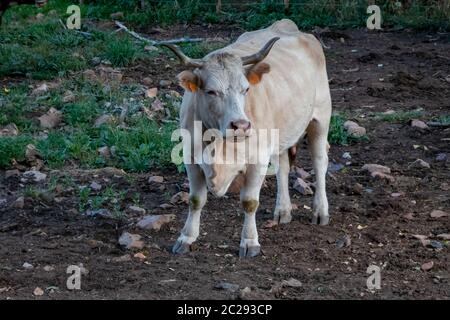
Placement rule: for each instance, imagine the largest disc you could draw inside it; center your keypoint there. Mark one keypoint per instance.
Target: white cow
(243, 88)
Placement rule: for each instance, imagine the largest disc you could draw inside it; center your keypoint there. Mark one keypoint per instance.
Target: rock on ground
(131, 241)
(155, 222)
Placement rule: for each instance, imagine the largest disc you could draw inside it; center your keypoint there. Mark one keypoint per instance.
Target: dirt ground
(370, 72)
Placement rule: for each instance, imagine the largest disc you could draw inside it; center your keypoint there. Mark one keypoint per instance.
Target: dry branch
(155, 42)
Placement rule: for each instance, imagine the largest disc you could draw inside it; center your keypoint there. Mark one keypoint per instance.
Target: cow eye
(212, 93)
(246, 90)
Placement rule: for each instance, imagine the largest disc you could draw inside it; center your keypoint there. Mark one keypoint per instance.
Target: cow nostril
(241, 124)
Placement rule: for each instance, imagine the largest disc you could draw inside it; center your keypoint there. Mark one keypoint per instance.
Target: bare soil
(370, 72)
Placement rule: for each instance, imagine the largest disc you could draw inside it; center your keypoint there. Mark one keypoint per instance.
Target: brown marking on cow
(194, 202)
(250, 205)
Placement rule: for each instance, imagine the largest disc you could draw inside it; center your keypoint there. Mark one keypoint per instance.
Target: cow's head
(220, 82)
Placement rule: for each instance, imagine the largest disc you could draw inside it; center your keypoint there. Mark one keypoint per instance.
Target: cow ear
(255, 72)
(189, 81)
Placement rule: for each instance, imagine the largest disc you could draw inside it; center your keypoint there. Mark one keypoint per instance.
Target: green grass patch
(13, 148)
(400, 116)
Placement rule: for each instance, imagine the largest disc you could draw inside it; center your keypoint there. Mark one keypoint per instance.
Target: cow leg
(282, 213)
(249, 246)
(197, 199)
(318, 145)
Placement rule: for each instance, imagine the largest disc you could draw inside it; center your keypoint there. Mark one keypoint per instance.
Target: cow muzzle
(240, 128)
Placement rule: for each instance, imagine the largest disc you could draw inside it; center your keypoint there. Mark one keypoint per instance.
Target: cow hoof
(181, 247)
(282, 216)
(323, 221)
(285, 218)
(249, 252)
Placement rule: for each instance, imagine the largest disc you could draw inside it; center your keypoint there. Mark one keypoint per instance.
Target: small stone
(10, 130)
(38, 292)
(40, 89)
(418, 124)
(155, 222)
(427, 266)
(166, 206)
(90, 75)
(396, 194)
(180, 197)
(157, 105)
(357, 188)
(441, 157)
(156, 179)
(245, 293)
(378, 171)
(140, 256)
(95, 186)
(49, 268)
(444, 186)
(438, 214)
(270, 224)
(68, 97)
(131, 241)
(40, 16)
(124, 258)
(346, 155)
(301, 186)
(34, 175)
(420, 164)
(294, 283)
(335, 167)
(96, 61)
(376, 168)
(165, 83)
(136, 210)
(147, 81)
(51, 119)
(301, 173)
(226, 286)
(354, 129)
(409, 216)
(345, 241)
(105, 152)
(95, 243)
(102, 213)
(27, 266)
(103, 119)
(31, 153)
(149, 48)
(12, 173)
(436, 244)
(151, 93)
(19, 203)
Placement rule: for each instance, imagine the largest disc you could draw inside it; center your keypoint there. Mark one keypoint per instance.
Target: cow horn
(185, 60)
(261, 54)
